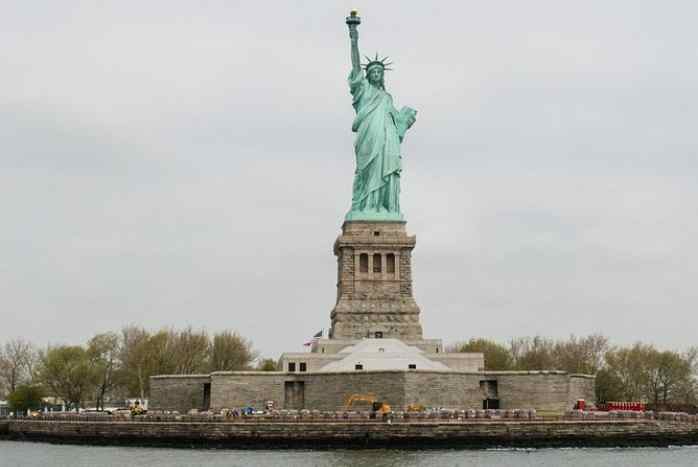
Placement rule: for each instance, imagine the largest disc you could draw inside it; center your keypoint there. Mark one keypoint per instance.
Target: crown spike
(383, 62)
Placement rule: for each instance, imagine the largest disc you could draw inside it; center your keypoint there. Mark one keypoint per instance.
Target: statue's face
(375, 75)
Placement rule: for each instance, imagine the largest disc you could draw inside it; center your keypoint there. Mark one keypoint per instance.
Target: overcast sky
(189, 163)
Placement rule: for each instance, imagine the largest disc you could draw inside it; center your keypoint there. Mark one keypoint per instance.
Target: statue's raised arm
(353, 22)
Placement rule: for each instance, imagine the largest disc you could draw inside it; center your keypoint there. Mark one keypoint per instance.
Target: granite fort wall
(544, 390)
(248, 388)
(439, 389)
(322, 391)
(581, 387)
(331, 391)
(177, 392)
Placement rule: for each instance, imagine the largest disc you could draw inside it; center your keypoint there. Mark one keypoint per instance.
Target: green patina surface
(380, 129)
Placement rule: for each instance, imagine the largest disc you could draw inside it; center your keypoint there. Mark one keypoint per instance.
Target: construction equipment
(376, 406)
(416, 408)
(349, 403)
(382, 408)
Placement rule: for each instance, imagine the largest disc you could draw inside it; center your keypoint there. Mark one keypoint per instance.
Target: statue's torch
(353, 20)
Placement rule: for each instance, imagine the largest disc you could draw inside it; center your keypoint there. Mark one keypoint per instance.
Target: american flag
(315, 338)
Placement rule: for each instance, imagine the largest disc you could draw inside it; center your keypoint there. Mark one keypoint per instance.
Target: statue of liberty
(379, 129)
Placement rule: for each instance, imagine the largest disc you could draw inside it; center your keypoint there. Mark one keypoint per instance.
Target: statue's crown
(382, 62)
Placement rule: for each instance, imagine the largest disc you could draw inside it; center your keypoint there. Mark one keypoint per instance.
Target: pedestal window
(363, 263)
(377, 260)
(390, 263)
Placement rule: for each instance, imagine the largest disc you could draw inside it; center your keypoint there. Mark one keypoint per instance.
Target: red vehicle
(581, 404)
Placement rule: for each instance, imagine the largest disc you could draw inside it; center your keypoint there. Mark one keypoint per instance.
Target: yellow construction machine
(416, 408)
(375, 405)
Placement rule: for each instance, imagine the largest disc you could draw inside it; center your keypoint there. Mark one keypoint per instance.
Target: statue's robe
(379, 130)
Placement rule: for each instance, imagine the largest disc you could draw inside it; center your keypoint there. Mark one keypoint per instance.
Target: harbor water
(35, 454)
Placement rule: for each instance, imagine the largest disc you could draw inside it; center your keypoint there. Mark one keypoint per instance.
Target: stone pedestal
(374, 283)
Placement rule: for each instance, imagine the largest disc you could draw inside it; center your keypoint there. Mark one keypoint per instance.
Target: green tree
(68, 373)
(134, 360)
(642, 372)
(497, 356)
(609, 386)
(103, 350)
(230, 352)
(629, 365)
(668, 373)
(687, 392)
(25, 397)
(267, 364)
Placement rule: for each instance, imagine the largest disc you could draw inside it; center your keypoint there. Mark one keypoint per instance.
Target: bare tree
(135, 359)
(533, 353)
(17, 363)
(190, 351)
(4, 370)
(691, 356)
(230, 351)
(581, 355)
